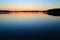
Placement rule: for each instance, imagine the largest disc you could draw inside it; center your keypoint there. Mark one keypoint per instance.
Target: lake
(29, 26)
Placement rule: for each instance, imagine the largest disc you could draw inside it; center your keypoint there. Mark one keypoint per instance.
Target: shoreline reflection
(47, 13)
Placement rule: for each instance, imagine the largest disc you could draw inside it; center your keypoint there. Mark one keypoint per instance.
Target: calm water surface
(29, 26)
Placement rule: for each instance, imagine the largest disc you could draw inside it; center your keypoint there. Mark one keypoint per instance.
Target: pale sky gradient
(29, 4)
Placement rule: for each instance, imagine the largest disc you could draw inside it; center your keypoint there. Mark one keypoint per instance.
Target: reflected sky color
(18, 25)
(28, 20)
(29, 4)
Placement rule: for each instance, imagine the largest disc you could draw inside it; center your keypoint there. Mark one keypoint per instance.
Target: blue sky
(29, 4)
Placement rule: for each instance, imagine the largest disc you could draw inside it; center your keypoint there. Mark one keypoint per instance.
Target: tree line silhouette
(54, 12)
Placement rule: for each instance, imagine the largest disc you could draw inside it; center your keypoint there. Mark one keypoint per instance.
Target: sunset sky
(29, 4)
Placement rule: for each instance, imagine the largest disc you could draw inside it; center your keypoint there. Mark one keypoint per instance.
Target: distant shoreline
(49, 10)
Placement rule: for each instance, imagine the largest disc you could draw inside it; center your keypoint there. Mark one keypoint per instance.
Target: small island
(5, 11)
(54, 12)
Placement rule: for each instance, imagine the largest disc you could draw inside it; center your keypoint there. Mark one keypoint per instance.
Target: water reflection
(5, 12)
(49, 13)
(29, 26)
(53, 13)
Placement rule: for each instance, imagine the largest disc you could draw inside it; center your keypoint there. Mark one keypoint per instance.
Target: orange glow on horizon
(32, 8)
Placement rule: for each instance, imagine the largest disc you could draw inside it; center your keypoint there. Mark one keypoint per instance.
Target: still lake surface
(29, 26)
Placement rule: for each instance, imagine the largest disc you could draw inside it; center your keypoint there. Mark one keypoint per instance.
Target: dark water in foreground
(29, 26)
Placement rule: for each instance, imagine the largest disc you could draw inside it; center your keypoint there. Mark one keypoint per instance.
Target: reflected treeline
(53, 12)
(5, 11)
